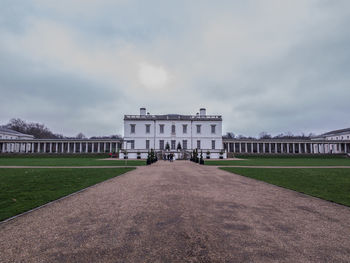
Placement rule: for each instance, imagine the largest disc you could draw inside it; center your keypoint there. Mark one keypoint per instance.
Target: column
(80, 147)
(104, 147)
(293, 147)
(50, 147)
(234, 147)
(44, 147)
(87, 147)
(240, 147)
(3, 147)
(287, 147)
(56, 145)
(98, 147)
(110, 147)
(264, 148)
(62, 147)
(74, 147)
(299, 148)
(258, 147)
(269, 147)
(246, 147)
(92, 147)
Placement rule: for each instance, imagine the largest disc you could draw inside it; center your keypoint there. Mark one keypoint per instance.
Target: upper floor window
(173, 129)
(198, 128)
(161, 128)
(148, 128)
(132, 128)
(184, 128)
(213, 128)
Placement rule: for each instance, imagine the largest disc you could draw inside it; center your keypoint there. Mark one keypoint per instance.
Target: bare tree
(264, 135)
(80, 135)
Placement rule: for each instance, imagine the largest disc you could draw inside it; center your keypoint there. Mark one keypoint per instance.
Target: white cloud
(152, 77)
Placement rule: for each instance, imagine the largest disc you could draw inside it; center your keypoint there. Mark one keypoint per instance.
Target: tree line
(40, 131)
(265, 135)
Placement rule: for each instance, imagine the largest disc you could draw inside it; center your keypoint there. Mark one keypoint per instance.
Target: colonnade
(287, 147)
(63, 146)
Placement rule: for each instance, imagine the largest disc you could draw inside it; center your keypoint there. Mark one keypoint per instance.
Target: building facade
(172, 133)
(144, 132)
(9, 134)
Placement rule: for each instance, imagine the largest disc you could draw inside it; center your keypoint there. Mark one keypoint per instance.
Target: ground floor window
(161, 144)
(132, 144)
(173, 142)
(213, 144)
(184, 144)
(198, 144)
(147, 144)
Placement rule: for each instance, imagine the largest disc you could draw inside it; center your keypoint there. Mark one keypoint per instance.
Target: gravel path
(181, 212)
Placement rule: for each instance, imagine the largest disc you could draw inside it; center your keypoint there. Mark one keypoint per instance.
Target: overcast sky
(269, 65)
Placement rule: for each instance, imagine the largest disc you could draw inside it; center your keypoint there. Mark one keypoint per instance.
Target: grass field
(24, 189)
(329, 184)
(284, 161)
(66, 161)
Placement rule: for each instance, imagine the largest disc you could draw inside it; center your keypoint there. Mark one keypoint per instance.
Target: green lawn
(332, 184)
(67, 161)
(284, 161)
(24, 189)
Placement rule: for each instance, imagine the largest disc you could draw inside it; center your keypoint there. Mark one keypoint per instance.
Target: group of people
(169, 157)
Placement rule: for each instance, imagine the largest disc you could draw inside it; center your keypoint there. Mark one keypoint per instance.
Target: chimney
(142, 111)
(202, 112)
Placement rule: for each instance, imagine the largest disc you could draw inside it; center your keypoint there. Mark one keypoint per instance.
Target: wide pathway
(180, 212)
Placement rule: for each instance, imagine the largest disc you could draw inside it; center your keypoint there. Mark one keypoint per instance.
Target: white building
(336, 135)
(144, 132)
(6, 133)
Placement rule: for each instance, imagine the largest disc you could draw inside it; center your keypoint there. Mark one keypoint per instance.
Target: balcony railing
(173, 117)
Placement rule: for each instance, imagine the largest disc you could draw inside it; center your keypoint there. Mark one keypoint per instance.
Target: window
(161, 144)
(184, 128)
(198, 128)
(132, 144)
(198, 144)
(173, 129)
(147, 144)
(213, 144)
(213, 127)
(161, 128)
(148, 128)
(173, 142)
(184, 144)
(132, 128)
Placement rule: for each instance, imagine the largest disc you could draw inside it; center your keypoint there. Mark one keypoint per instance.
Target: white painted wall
(154, 136)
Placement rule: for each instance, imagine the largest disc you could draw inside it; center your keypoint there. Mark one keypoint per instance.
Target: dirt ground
(180, 212)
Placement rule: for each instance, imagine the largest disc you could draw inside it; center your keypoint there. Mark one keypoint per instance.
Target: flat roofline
(174, 117)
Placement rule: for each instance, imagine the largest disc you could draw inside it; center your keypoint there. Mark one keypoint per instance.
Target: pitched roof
(337, 131)
(4, 129)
